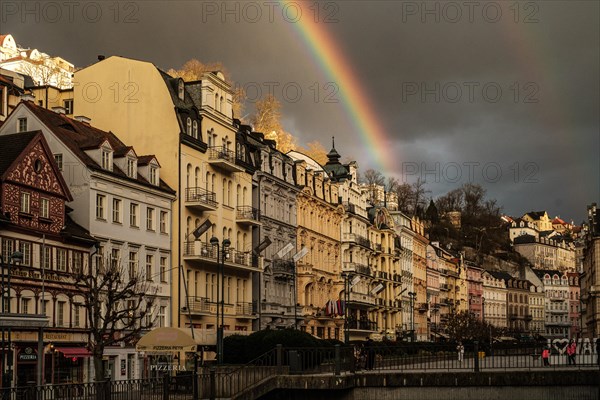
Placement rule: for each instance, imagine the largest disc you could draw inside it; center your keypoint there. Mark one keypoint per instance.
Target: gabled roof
(535, 215)
(16, 144)
(78, 136)
(12, 146)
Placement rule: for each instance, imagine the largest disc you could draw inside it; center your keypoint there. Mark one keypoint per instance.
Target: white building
(119, 197)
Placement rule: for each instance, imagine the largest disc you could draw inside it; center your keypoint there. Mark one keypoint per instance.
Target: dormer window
(22, 125)
(131, 168)
(189, 127)
(107, 159)
(153, 176)
(180, 89)
(195, 129)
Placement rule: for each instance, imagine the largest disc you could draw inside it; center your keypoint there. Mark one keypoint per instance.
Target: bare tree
(316, 151)
(45, 71)
(118, 304)
(473, 197)
(451, 201)
(419, 196)
(372, 179)
(267, 120)
(405, 196)
(193, 70)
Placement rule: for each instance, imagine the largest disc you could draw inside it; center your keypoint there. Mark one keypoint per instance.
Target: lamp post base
(220, 345)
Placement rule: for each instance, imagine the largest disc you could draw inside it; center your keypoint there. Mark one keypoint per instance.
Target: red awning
(74, 351)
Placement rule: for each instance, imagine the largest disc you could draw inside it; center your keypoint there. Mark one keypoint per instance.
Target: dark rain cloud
(548, 51)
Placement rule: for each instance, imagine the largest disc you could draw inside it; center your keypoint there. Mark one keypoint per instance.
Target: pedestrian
(546, 356)
(571, 351)
(461, 351)
(370, 348)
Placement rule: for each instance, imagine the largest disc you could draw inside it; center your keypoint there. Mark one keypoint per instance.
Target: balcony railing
(283, 267)
(248, 214)
(197, 305)
(201, 198)
(245, 308)
(357, 268)
(224, 158)
(363, 325)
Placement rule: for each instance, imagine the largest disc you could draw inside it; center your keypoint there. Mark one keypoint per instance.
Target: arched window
(221, 104)
(223, 191)
(189, 127)
(187, 176)
(195, 129)
(197, 177)
(180, 89)
(216, 102)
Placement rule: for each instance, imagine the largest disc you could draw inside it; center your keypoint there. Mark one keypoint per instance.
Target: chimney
(27, 97)
(59, 110)
(83, 118)
(101, 57)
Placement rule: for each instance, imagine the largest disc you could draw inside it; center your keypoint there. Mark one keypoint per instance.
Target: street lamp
(412, 296)
(348, 285)
(222, 254)
(16, 257)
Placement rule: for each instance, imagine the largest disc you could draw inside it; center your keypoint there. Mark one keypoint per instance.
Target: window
(163, 222)
(25, 305)
(22, 125)
(106, 160)
(46, 257)
(133, 261)
(100, 205)
(189, 127)
(163, 269)
(154, 175)
(61, 260)
(161, 316)
(131, 168)
(195, 129)
(76, 315)
(133, 210)
(25, 248)
(77, 266)
(115, 255)
(149, 262)
(44, 208)
(116, 210)
(59, 161)
(25, 202)
(68, 105)
(60, 313)
(180, 89)
(2, 101)
(44, 306)
(150, 219)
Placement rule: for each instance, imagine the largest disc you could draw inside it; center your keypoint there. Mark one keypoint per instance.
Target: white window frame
(22, 124)
(149, 267)
(163, 221)
(149, 218)
(100, 206)
(116, 210)
(44, 207)
(133, 211)
(59, 160)
(25, 202)
(62, 256)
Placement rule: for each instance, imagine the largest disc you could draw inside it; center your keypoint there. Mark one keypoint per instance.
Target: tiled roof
(78, 136)
(12, 146)
(536, 214)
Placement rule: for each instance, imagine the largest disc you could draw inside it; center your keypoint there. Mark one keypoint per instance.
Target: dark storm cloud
(546, 51)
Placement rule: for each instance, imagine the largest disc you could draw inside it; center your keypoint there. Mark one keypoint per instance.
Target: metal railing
(221, 153)
(248, 213)
(201, 195)
(232, 381)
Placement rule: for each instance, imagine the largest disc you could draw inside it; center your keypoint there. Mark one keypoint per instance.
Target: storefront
(167, 351)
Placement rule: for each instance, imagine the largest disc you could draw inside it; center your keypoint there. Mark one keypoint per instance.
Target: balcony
(349, 207)
(377, 247)
(361, 298)
(356, 268)
(423, 307)
(452, 273)
(200, 199)
(358, 239)
(222, 157)
(199, 306)
(245, 310)
(198, 251)
(247, 215)
(362, 325)
(283, 268)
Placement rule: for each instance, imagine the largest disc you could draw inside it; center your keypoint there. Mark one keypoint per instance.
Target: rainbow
(353, 96)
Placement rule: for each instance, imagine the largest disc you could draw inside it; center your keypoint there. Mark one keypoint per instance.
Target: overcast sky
(501, 93)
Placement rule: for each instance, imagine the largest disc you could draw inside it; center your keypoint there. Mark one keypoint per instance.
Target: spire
(333, 157)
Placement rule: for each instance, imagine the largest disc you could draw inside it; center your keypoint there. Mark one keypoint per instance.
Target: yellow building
(420, 243)
(189, 127)
(318, 267)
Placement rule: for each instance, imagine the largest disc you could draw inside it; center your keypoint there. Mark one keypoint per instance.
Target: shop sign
(27, 354)
(167, 367)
